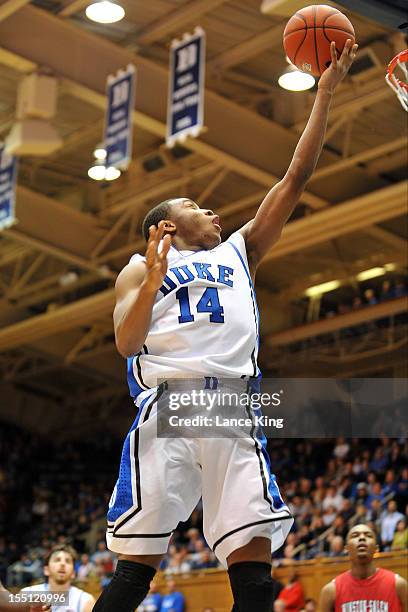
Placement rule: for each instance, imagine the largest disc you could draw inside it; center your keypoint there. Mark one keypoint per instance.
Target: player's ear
(46, 571)
(169, 226)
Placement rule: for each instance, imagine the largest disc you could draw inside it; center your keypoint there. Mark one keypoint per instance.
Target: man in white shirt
(389, 522)
(59, 569)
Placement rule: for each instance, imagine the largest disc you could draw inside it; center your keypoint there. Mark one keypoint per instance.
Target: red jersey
(375, 594)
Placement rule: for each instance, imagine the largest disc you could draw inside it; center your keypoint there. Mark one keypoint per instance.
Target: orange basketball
(308, 35)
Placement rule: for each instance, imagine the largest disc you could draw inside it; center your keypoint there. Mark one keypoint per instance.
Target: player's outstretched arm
(327, 598)
(265, 229)
(136, 288)
(402, 592)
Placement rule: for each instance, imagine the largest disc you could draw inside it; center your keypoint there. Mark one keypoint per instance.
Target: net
(399, 85)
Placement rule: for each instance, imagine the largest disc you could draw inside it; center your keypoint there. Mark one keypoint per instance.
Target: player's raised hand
(157, 261)
(338, 67)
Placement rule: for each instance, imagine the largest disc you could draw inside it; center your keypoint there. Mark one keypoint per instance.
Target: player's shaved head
(357, 529)
(361, 545)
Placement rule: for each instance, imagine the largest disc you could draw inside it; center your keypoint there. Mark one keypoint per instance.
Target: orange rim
(400, 58)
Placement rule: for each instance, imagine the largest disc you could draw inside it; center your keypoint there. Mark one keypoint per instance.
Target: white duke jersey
(76, 598)
(205, 320)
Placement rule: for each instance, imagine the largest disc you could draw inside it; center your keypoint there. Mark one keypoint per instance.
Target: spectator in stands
(375, 510)
(317, 527)
(400, 289)
(289, 549)
(339, 527)
(178, 563)
(401, 488)
(361, 515)
(389, 521)
(369, 297)
(341, 449)
(104, 556)
(387, 293)
(86, 568)
(375, 494)
(203, 558)
(292, 594)
(357, 303)
(361, 494)
(193, 536)
(153, 600)
(333, 499)
(23, 571)
(347, 510)
(400, 540)
(329, 515)
(337, 547)
(390, 486)
(173, 601)
(40, 506)
(379, 462)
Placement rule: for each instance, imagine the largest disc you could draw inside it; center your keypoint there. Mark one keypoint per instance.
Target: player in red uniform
(364, 588)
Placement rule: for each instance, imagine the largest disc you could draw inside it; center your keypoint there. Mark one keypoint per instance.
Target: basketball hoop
(399, 86)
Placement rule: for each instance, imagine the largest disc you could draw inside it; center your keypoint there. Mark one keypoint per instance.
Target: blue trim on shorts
(134, 387)
(273, 488)
(124, 499)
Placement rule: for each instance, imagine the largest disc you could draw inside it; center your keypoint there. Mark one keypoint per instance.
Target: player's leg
(158, 486)
(249, 571)
(245, 517)
(130, 583)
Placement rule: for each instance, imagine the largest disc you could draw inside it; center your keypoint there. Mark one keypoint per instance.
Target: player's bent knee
(258, 549)
(252, 586)
(128, 587)
(151, 560)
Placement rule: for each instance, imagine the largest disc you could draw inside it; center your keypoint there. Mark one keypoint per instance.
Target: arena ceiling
(59, 262)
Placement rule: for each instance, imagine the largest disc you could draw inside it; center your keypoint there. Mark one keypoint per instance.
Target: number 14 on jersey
(209, 302)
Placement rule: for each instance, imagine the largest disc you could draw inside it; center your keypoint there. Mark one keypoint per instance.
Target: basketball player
(364, 587)
(187, 309)
(59, 568)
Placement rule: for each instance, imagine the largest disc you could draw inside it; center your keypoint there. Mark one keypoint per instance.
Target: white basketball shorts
(162, 479)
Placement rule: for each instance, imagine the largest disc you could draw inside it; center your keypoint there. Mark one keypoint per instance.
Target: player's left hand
(338, 68)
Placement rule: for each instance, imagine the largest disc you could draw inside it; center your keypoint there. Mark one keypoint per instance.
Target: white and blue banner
(8, 180)
(118, 128)
(185, 108)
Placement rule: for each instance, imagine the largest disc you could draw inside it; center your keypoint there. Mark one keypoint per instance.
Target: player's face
(361, 543)
(198, 226)
(60, 567)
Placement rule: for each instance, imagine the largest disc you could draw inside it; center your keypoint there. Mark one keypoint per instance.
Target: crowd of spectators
(51, 493)
(330, 488)
(367, 295)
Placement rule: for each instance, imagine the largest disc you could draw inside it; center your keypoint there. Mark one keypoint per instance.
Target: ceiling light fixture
(97, 171)
(99, 152)
(295, 80)
(105, 12)
(112, 173)
(371, 273)
(323, 288)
